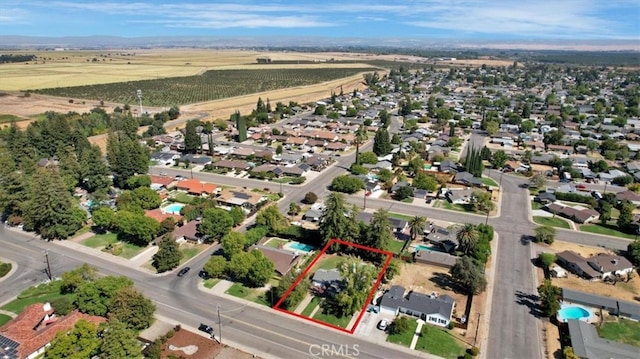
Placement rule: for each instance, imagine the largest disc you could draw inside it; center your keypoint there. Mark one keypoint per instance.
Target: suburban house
(460, 196)
(587, 343)
(599, 266)
(160, 182)
(433, 309)
(440, 259)
(327, 280)
(197, 188)
(29, 334)
(545, 197)
(314, 213)
(612, 305)
(577, 214)
(160, 216)
(238, 165)
(240, 198)
(441, 237)
(467, 179)
(283, 260)
(629, 196)
(187, 232)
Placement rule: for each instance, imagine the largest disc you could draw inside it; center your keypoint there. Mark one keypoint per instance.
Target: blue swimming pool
(425, 247)
(173, 208)
(301, 247)
(572, 312)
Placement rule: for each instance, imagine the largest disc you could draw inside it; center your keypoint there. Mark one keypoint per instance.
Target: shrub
(451, 325)
(298, 180)
(310, 198)
(62, 306)
(474, 351)
(399, 325)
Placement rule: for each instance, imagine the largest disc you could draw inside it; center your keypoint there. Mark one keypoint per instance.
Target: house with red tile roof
(161, 181)
(160, 216)
(197, 188)
(28, 335)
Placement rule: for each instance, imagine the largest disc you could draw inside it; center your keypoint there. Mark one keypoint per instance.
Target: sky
(420, 19)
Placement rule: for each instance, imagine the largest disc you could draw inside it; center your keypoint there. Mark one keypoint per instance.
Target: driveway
(368, 330)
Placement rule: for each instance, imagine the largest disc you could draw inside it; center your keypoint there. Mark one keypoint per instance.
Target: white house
(433, 309)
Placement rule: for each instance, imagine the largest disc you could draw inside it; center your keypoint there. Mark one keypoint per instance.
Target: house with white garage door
(433, 309)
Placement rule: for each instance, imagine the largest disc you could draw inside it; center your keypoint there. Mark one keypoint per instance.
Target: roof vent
(46, 307)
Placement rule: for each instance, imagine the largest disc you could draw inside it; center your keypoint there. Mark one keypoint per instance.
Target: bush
(451, 325)
(474, 351)
(310, 198)
(298, 180)
(62, 306)
(576, 197)
(399, 325)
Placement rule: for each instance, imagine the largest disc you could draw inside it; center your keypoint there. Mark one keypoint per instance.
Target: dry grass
(553, 348)
(583, 250)
(626, 291)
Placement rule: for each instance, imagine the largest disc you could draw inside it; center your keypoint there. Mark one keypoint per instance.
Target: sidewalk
(303, 304)
(416, 335)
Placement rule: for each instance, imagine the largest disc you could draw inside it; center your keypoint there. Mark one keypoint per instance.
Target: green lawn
(271, 196)
(439, 342)
(332, 319)
(82, 230)
(609, 229)
(536, 205)
(406, 217)
(328, 262)
(183, 198)
(489, 182)
(625, 331)
(4, 268)
(188, 252)
(551, 221)
(405, 337)
(276, 242)
(311, 306)
(211, 282)
(283, 179)
(40, 294)
(251, 294)
(100, 240)
(130, 250)
(394, 246)
(4, 319)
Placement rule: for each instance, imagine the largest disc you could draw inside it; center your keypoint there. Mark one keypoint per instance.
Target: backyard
(551, 221)
(276, 242)
(621, 330)
(394, 246)
(439, 342)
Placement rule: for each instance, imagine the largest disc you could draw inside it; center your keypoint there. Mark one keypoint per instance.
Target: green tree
(549, 298)
(238, 215)
(168, 255)
(95, 297)
(546, 259)
(538, 180)
(424, 181)
(385, 175)
(135, 228)
(216, 267)
(380, 231)
(233, 243)
(498, 159)
(467, 237)
(310, 198)
(626, 215)
(81, 342)
(126, 157)
(381, 142)
(294, 209)
(216, 222)
(62, 306)
(347, 184)
(102, 217)
(51, 211)
(416, 228)
(403, 193)
(279, 149)
(469, 274)
(132, 308)
(545, 234)
(527, 126)
(146, 198)
(336, 221)
(492, 127)
(139, 181)
(261, 270)
(118, 342)
(296, 295)
(633, 252)
(192, 141)
(481, 201)
(271, 218)
(94, 171)
(73, 279)
(368, 157)
(357, 278)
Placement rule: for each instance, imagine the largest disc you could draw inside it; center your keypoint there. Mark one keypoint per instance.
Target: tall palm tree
(467, 237)
(416, 227)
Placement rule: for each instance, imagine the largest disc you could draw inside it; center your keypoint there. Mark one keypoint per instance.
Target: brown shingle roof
(282, 259)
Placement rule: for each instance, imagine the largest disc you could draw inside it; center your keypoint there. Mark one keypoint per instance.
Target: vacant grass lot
(608, 229)
(439, 342)
(551, 221)
(625, 331)
(405, 337)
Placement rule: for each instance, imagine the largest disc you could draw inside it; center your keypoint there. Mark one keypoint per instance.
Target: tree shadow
(531, 302)
(444, 281)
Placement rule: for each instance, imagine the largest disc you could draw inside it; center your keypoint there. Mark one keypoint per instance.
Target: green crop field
(212, 85)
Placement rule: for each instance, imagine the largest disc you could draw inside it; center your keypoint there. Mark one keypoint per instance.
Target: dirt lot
(583, 250)
(426, 279)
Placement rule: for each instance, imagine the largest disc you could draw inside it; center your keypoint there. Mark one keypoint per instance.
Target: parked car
(205, 328)
(597, 195)
(202, 274)
(581, 187)
(183, 271)
(383, 324)
(163, 174)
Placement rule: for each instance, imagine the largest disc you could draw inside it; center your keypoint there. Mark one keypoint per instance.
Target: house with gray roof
(599, 266)
(436, 258)
(441, 237)
(613, 305)
(468, 179)
(433, 309)
(587, 343)
(460, 196)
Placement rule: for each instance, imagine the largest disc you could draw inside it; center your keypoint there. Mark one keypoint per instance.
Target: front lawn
(311, 306)
(43, 293)
(211, 282)
(189, 251)
(536, 205)
(405, 337)
(283, 179)
(100, 240)
(271, 196)
(394, 246)
(625, 331)
(4, 319)
(489, 182)
(250, 294)
(332, 319)
(607, 229)
(4, 268)
(406, 217)
(551, 221)
(439, 342)
(130, 250)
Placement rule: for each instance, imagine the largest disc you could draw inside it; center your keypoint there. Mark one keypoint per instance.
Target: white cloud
(12, 15)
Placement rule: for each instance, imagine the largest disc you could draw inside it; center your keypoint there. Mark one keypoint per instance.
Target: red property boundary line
(318, 256)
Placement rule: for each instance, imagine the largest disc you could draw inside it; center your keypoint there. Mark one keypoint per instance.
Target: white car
(383, 324)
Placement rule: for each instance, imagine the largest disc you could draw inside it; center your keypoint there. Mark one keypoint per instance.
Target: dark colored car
(205, 328)
(183, 271)
(202, 274)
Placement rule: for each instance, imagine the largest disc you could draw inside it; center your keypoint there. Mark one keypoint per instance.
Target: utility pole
(477, 326)
(364, 205)
(46, 258)
(220, 323)
(486, 219)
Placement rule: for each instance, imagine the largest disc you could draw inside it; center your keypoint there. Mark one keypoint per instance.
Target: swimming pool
(173, 208)
(425, 247)
(573, 312)
(301, 247)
